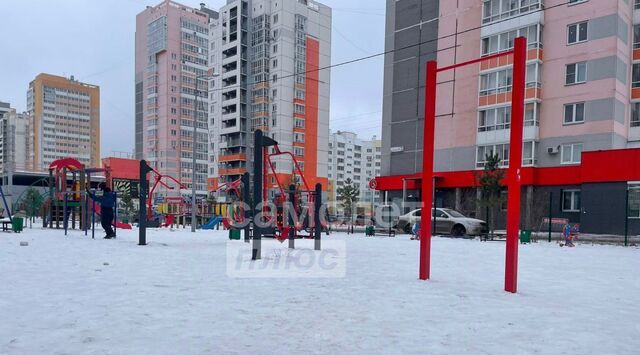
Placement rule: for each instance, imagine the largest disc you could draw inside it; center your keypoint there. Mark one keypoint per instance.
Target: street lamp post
(194, 218)
(193, 155)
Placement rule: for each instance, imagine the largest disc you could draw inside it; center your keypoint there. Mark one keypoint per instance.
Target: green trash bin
(17, 223)
(234, 234)
(525, 237)
(369, 231)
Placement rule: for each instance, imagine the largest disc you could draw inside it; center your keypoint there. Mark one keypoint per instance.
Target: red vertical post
(515, 164)
(427, 168)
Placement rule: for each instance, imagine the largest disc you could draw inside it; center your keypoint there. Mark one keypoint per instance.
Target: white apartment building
(266, 54)
(16, 140)
(353, 158)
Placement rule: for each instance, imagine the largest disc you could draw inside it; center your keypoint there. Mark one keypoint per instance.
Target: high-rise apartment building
(171, 75)
(4, 108)
(355, 159)
(66, 120)
(267, 54)
(582, 93)
(16, 140)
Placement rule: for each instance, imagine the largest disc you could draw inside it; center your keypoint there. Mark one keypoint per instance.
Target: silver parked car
(448, 221)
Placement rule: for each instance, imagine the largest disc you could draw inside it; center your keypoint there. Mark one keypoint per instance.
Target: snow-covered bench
(6, 221)
(6, 224)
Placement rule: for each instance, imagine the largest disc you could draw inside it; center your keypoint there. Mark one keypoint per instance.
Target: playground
(75, 294)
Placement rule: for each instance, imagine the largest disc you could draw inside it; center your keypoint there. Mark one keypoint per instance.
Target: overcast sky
(94, 40)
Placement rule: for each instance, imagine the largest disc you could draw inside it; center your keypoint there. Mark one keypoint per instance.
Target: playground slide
(212, 222)
(117, 224)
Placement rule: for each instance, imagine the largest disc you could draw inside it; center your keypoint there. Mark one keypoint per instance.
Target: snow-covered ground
(77, 295)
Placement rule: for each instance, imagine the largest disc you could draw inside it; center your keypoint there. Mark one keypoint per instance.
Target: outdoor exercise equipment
(244, 216)
(519, 56)
(290, 198)
(261, 155)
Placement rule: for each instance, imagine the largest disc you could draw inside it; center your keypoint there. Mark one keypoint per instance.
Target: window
(502, 150)
(636, 36)
(571, 2)
(574, 113)
(577, 32)
(634, 200)
(500, 81)
(275, 63)
(298, 137)
(576, 73)
(494, 10)
(494, 119)
(275, 19)
(275, 49)
(571, 200)
(635, 114)
(571, 153)
(298, 123)
(528, 153)
(495, 82)
(500, 117)
(297, 108)
(505, 41)
(299, 152)
(274, 78)
(531, 114)
(635, 76)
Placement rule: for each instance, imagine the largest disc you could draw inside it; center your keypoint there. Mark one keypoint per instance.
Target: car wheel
(407, 228)
(458, 230)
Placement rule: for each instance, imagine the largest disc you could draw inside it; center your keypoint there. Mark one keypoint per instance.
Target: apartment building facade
(66, 120)
(354, 159)
(16, 140)
(171, 93)
(267, 53)
(582, 121)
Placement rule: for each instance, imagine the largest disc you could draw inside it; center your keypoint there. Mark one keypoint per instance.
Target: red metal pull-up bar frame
(297, 170)
(519, 53)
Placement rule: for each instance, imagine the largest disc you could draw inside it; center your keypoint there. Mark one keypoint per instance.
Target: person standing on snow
(107, 202)
(416, 231)
(566, 233)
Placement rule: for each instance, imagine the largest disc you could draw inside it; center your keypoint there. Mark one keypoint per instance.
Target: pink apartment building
(582, 120)
(172, 42)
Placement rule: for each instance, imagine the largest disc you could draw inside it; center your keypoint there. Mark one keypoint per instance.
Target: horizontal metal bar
(478, 60)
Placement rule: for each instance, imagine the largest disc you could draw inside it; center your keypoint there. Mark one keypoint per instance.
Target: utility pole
(208, 75)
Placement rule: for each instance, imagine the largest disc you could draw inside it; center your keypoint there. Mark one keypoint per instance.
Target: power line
(349, 41)
(360, 59)
(356, 115)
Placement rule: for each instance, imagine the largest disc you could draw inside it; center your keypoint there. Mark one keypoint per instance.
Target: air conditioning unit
(553, 150)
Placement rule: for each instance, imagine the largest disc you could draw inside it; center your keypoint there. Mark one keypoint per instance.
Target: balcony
(501, 22)
(232, 157)
(497, 10)
(532, 54)
(232, 171)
